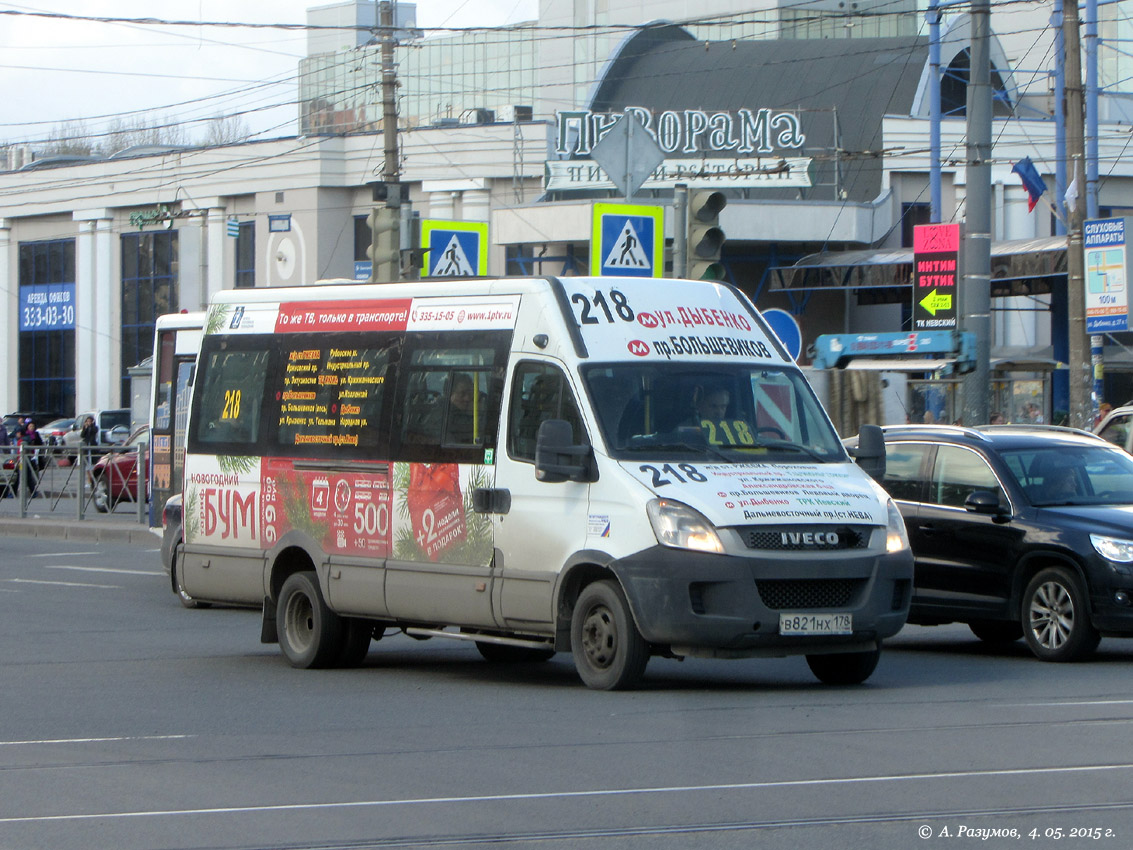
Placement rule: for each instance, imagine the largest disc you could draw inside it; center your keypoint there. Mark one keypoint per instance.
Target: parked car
(1018, 531)
(39, 417)
(1115, 427)
(113, 427)
(172, 535)
(114, 476)
(53, 432)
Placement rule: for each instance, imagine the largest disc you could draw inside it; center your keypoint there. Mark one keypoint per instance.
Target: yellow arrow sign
(936, 301)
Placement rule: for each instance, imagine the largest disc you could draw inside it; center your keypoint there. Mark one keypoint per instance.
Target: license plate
(816, 624)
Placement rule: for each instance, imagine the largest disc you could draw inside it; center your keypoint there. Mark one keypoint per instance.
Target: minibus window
(451, 401)
(719, 412)
(330, 394)
(231, 396)
(539, 392)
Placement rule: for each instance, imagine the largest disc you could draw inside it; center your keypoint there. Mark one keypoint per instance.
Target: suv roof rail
(919, 428)
(1035, 426)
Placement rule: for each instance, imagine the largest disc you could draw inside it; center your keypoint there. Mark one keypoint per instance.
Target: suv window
(957, 473)
(904, 465)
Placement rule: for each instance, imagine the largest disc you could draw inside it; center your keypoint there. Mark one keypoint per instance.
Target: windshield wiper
(670, 445)
(786, 444)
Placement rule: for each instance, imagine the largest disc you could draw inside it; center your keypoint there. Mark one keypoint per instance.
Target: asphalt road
(127, 721)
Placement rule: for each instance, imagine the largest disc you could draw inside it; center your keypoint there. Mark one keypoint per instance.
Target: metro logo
(647, 320)
(638, 348)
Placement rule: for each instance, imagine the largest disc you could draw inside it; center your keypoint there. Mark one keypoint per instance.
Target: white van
(618, 467)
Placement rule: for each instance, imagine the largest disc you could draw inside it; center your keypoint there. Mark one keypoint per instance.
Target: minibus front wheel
(844, 668)
(609, 652)
(310, 634)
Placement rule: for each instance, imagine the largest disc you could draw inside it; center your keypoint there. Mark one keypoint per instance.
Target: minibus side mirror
(558, 459)
(870, 452)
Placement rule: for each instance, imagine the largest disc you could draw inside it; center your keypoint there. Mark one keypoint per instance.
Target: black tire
(844, 668)
(100, 497)
(609, 652)
(499, 653)
(1057, 617)
(996, 631)
(310, 634)
(186, 600)
(355, 641)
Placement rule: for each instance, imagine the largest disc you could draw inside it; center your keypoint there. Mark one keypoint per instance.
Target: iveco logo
(809, 538)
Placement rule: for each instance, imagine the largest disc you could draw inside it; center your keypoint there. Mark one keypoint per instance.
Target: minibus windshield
(727, 413)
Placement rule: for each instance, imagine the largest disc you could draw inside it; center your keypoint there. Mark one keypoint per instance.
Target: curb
(92, 531)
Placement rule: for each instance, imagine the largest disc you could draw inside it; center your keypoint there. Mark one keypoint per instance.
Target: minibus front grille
(806, 593)
(800, 538)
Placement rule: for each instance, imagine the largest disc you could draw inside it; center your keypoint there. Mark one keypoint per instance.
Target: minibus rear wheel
(609, 652)
(310, 634)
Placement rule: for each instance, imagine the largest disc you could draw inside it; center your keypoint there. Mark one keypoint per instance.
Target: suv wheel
(1055, 617)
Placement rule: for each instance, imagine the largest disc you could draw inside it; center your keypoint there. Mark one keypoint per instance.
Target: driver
(709, 402)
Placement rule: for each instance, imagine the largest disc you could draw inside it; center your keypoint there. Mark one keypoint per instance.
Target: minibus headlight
(896, 540)
(1113, 548)
(680, 527)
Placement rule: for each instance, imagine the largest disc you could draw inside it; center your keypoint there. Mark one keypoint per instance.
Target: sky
(54, 72)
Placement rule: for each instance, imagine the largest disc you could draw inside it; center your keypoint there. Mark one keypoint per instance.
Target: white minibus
(613, 467)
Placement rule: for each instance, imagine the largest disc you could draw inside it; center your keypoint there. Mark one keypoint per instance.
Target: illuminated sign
(936, 254)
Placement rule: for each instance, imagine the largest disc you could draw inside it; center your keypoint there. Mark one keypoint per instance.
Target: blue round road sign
(787, 329)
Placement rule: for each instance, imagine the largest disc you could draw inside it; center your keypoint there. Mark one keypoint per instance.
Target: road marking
(61, 554)
(62, 583)
(565, 795)
(1076, 702)
(116, 740)
(104, 570)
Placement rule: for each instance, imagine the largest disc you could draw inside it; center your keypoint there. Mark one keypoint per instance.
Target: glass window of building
(47, 326)
(246, 255)
(149, 290)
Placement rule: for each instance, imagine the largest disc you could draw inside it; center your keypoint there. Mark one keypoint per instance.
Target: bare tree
(70, 137)
(121, 134)
(226, 130)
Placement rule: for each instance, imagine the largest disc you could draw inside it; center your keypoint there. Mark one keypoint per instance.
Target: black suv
(1018, 531)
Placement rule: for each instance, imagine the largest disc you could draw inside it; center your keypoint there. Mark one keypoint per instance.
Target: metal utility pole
(1078, 349)
(385, 219)
(975, 295)
(390, 171)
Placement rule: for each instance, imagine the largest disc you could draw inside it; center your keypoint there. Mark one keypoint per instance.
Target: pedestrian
(36, 459)
(89, 432)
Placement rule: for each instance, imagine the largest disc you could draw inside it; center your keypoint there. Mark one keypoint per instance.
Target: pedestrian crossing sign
(454, 248)
(628, 240)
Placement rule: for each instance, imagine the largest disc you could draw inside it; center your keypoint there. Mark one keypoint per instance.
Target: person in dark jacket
(89, 432)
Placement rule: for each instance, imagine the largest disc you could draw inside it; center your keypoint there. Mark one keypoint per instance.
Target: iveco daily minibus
(614, 467)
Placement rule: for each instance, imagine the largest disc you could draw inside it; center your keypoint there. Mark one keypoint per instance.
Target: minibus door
(537, 524)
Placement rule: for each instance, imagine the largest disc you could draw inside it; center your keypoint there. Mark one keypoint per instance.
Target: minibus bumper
(725, 605)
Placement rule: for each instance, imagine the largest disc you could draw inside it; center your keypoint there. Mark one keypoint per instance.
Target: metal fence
(80, 482)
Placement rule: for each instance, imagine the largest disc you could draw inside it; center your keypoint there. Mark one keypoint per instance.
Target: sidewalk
(100, 528)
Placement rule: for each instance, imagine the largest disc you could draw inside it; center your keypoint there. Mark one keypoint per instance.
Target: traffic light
(385, 244)
(705, 238)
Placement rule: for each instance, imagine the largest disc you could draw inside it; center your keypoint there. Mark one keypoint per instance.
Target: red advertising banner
(307, 316)
(436, 507)
(347, 512)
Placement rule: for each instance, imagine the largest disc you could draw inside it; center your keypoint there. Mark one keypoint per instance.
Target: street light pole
(1078, 347)
(975, 296)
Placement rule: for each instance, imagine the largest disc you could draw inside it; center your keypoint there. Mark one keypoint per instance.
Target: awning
(1018, 267)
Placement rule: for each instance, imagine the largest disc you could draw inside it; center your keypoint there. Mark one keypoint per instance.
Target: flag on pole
(1032, 181)
(1071, 196)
